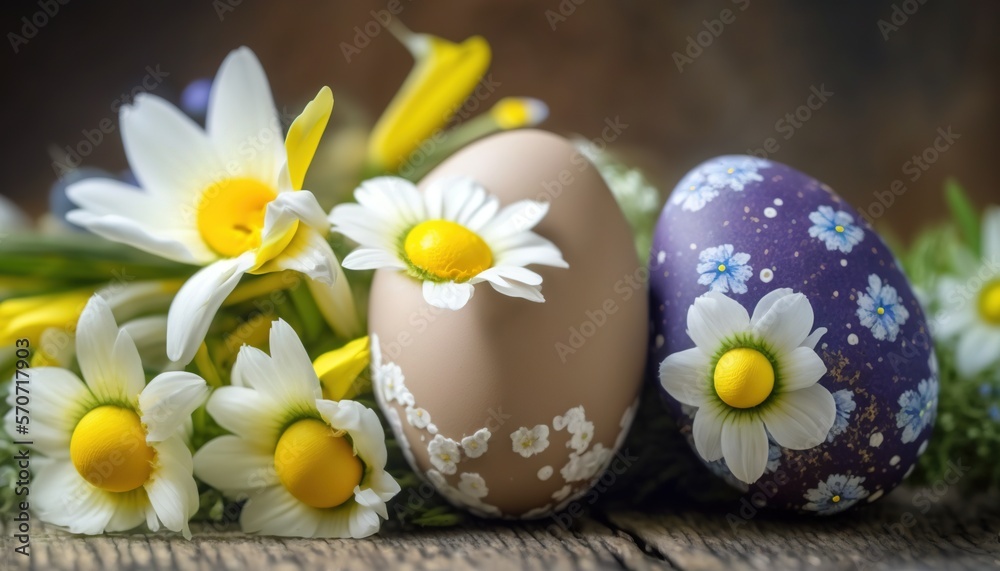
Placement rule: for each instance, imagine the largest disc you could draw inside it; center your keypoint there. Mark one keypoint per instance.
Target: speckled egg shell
(775, 228)
(465, 385)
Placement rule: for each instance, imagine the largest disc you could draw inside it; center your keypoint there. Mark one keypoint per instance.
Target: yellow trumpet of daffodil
(27, 317)
(338, 369)
(442, 79)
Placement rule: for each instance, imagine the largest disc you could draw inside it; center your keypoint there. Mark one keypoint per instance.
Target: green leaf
(81, 258)
(964, 214)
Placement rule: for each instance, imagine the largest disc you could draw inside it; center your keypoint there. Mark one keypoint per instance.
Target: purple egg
(737, 229)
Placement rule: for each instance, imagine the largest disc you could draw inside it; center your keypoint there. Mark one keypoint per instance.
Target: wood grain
(952, 534)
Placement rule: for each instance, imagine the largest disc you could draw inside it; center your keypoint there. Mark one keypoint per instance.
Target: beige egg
(523, 405)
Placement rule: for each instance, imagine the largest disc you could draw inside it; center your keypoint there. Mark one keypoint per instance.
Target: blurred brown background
(603, 59)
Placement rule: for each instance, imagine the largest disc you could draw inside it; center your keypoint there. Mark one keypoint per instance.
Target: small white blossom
(528, 442)
(444, 453)
(417, 417)
(473, 485)
(477, 444)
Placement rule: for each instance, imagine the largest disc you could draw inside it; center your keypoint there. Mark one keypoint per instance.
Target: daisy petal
(977, 349)
(713, 318)
(363, 426)
(126, 214)
(744, 446)
(801, 419)
(168, 400)
(108, 358)
(168, 153)
(248, 414)
(766, 302)
(196, 303)
(372, 259)
(59, 401)
(447, 295)
(232, 465)
(684, 376)
(290, 358)
(800, 368)
(707, 431)
(173, 493)
(64, 498)
(515, 219)
(274, 511)
(242, 119)
(786, 324)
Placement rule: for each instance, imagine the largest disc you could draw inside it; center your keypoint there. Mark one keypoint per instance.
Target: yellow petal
(442, 79)
(27, 317)
(304, 135)
(338, 369)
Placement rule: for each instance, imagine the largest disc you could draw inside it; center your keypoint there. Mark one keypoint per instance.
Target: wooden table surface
(904, 531)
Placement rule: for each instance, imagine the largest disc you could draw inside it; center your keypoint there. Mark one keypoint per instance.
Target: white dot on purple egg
(660, 257)
(778, 202)
(894, 460)
(843, 263)
(766, 275)
(852, 339)
(694, 246)
(875, 496)
(770, 212)
(659, 341)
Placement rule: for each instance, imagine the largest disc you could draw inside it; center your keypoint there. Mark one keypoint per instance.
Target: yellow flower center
(880, 311)
(989, 302)
(447, 250)
(722, 267)
(108, 448)
(743, 377)
(835, 499)
(316, 464)
(839, 228)
(231, 215)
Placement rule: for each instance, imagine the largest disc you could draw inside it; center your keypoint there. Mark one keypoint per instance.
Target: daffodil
(113, 454)
(227, 198)
(306, 466)
(451, 237)
(443, 77)
(750, 376)
(339, 369)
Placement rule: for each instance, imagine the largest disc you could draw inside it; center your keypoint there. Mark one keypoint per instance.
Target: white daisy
(530, 441)
(307, 467)
(473, 485)
(444, 454)
(476, 445)
(750, 376)
(226, 198)
(451, 236)
(970, 305)
(113, 449)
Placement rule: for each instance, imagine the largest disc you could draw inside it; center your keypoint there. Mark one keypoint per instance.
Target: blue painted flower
(844, 401)
(722, 270)
(836, 229)
(917, 409)
(880, 309)
(836, 494)
(693, 192)
(734, 172)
